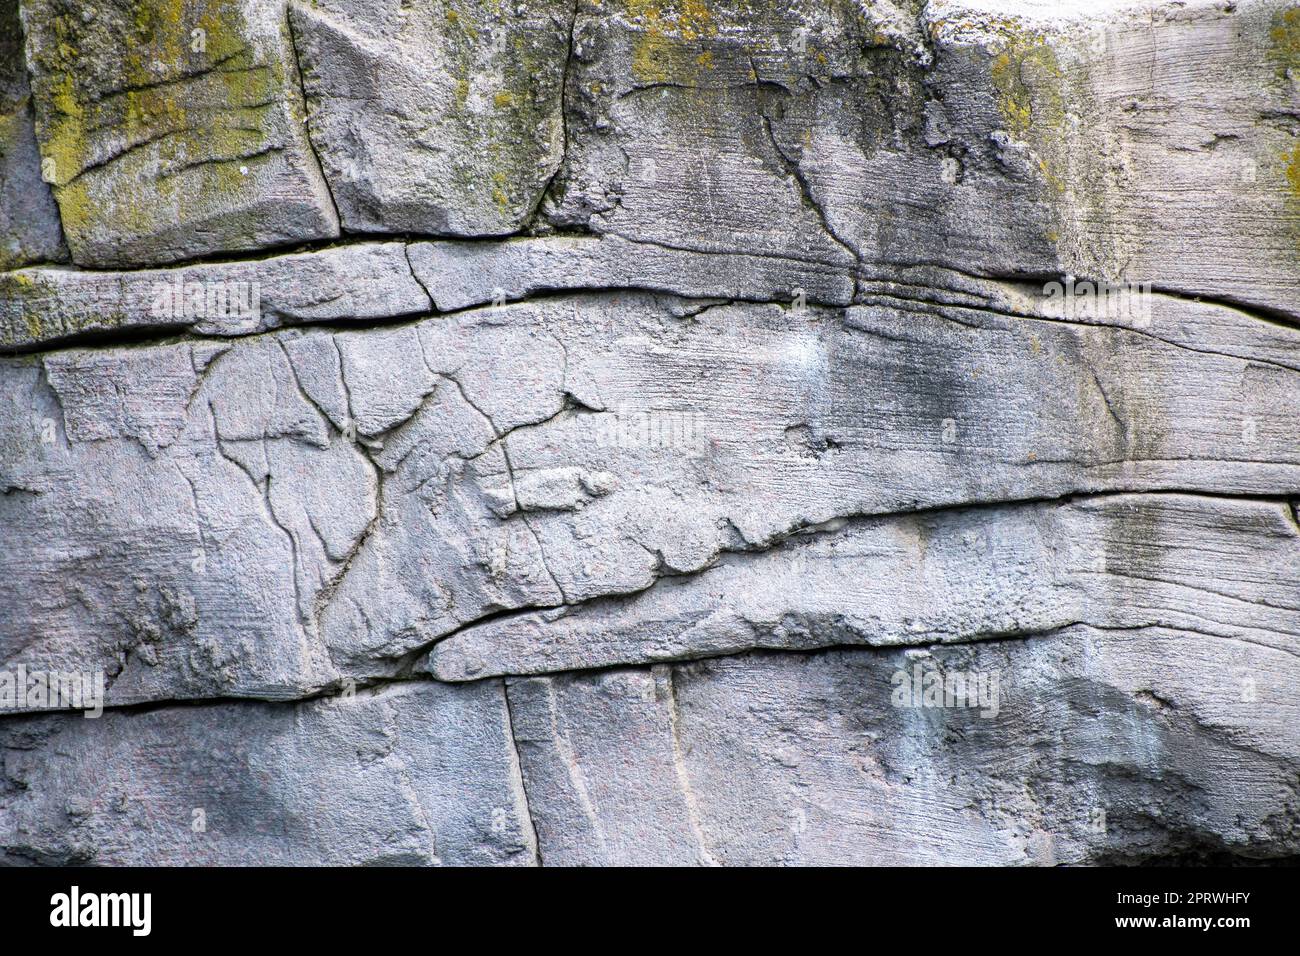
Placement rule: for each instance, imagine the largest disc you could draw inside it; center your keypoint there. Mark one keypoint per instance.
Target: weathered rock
(441, 117)
(41, 306)
(29, 220)
(1095, 747)
(1165, 137)
(169, 513)
(669, 135)
(172, 131)
(1221, 568)
(1190, 323)
(462, 274)
(993, 138)
(726, 366)
(635, 443)
(418, 773)
(310, 506)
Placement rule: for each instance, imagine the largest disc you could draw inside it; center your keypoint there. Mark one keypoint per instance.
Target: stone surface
(650, 431)
(229, 500)
(1116, 562)
(1001, 139)
(315, 505)
(1165, 136)
(29, 220)
(438, 116)
(40, 306)
(173, 130)
(462, 274)
(415, 774)
(1105, 748)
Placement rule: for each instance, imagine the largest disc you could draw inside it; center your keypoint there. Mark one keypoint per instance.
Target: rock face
(173, 130)
(805, 759)
(439, 116)
(414, 774)
(29, 221)
(649, 431)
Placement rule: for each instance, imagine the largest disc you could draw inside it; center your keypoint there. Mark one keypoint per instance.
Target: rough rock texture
(173, 130)
(45, 304)
(437, 116)
(29, 221)
(412, 774)
(802, 759)
(588, 431)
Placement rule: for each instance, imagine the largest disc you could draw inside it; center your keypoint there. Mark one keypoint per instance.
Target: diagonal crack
(306, 115)
(518, 768)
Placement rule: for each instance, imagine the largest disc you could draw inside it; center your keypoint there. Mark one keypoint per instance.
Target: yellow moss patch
(1285, 39)
(1293, 170)
(666, 27)
(1028, 77)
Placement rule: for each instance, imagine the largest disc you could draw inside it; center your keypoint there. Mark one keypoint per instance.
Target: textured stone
(1106, 747)
(994, 138)
(169, 512)
(693, 378)
(1165, 137)
(1115, 562)
(462, 274)
(29, 220)
(164, 143)
(413, 774)
(364, 281)
(439, 116)
(310, 506)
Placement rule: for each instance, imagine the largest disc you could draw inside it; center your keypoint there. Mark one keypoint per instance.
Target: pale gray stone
(413, 774)
(39, 306)
(463, 274)
(1013, 140)
(173, 130)
(435, 117)
(170, 514)
(1220, 568)
(707, 369)
(269, 516)
(1103, 747)
(1164, 137)
(29, 220)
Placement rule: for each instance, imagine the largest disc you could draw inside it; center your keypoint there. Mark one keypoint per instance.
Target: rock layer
(1106, 747)
(416, 774)
(649, 432)
(29, 220)
(173, 131)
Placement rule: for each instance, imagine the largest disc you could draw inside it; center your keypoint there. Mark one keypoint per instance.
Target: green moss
(25, 289)
(1043, 89)
(180, 125)
(666, 47)
(1291, 160)
(520, 86)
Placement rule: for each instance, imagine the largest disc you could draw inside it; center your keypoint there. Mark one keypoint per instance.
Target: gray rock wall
(649, 432)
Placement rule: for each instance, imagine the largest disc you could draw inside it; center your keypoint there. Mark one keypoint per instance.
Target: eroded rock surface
(173, 131)
(805, 760)
(413, 774)
(343, 499)
(439, 116)
(650, 431)
(29, 220)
